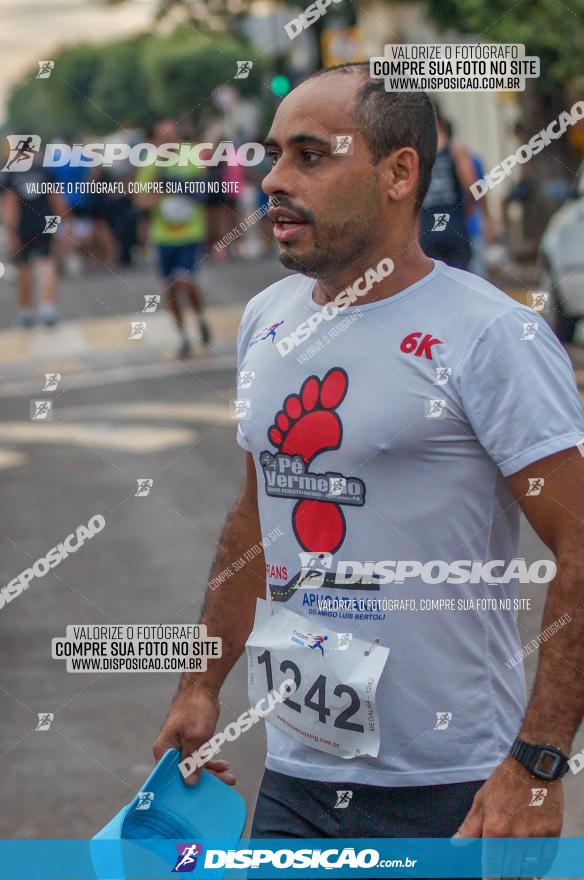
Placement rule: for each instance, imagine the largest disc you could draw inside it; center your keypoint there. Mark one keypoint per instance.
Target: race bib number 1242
(335, 677)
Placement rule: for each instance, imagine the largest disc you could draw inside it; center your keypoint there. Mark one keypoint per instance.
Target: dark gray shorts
(290, 807)
(302, 808)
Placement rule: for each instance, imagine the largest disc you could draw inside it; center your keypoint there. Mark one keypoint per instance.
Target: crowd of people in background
(100, 231)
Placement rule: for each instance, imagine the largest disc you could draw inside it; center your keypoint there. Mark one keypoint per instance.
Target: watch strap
(530, 756)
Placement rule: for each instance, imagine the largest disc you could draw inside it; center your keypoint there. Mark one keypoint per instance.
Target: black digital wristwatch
(543, 761)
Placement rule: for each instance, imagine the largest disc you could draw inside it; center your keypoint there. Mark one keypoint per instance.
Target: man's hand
(501, 807)
(190, 722)
(505, 806)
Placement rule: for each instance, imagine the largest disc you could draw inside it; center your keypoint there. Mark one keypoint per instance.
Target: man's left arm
(502, 806)
(556, 706)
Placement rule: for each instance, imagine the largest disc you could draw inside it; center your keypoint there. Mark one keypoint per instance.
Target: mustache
(285, 202)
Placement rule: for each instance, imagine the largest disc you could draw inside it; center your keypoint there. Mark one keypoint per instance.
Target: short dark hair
(390, 120)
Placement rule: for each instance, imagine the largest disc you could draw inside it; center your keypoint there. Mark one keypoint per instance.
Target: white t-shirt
(404, 417)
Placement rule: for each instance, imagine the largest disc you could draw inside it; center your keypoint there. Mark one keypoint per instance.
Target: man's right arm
(228, 612)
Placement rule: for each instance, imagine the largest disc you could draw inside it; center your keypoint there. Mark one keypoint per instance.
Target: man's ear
(399, 174)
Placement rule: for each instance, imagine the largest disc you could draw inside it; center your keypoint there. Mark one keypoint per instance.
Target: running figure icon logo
(187, 857)
(51, 223)
(137, 329)
(343, 799)
(41, 410)
(45, 720)
(266, 333)
(51, 381)
(343, 641)
(145, 799)
(435, 408)
(243, 69)
(151, 302)
(245, 378)
(536, 484)
(538, 795)
(45, 69)
(337, 485)
(314, 567)
(539, 300)
(440, 222)
(23, 148)
(443, 374)
(343, 145)
(241, 408)
(529, 331)
(318, 642)
(443, 719)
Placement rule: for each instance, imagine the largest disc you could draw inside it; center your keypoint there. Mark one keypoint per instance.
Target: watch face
(547, 763)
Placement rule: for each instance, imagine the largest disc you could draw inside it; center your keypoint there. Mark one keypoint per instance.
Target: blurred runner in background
(444, 232)
(226, 187)
(178, 229)
(27, 213)
(75, 240)
(481, 223)
(119, 213)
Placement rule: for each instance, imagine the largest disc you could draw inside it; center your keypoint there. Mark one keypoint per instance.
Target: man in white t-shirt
(397, 416)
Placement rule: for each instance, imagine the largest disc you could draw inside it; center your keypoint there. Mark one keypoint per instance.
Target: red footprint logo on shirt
(307, 425)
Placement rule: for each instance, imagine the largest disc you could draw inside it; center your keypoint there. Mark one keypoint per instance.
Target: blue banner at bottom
(150, 859)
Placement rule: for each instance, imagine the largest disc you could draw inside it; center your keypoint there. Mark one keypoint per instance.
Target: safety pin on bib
(371, 646)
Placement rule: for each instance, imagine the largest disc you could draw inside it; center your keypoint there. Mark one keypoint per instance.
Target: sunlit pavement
(124, 410)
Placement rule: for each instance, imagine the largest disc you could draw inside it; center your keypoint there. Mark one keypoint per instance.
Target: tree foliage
(131, 82)
(550, 29)
(211, 15)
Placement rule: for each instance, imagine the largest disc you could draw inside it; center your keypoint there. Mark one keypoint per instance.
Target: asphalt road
(121, 416)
